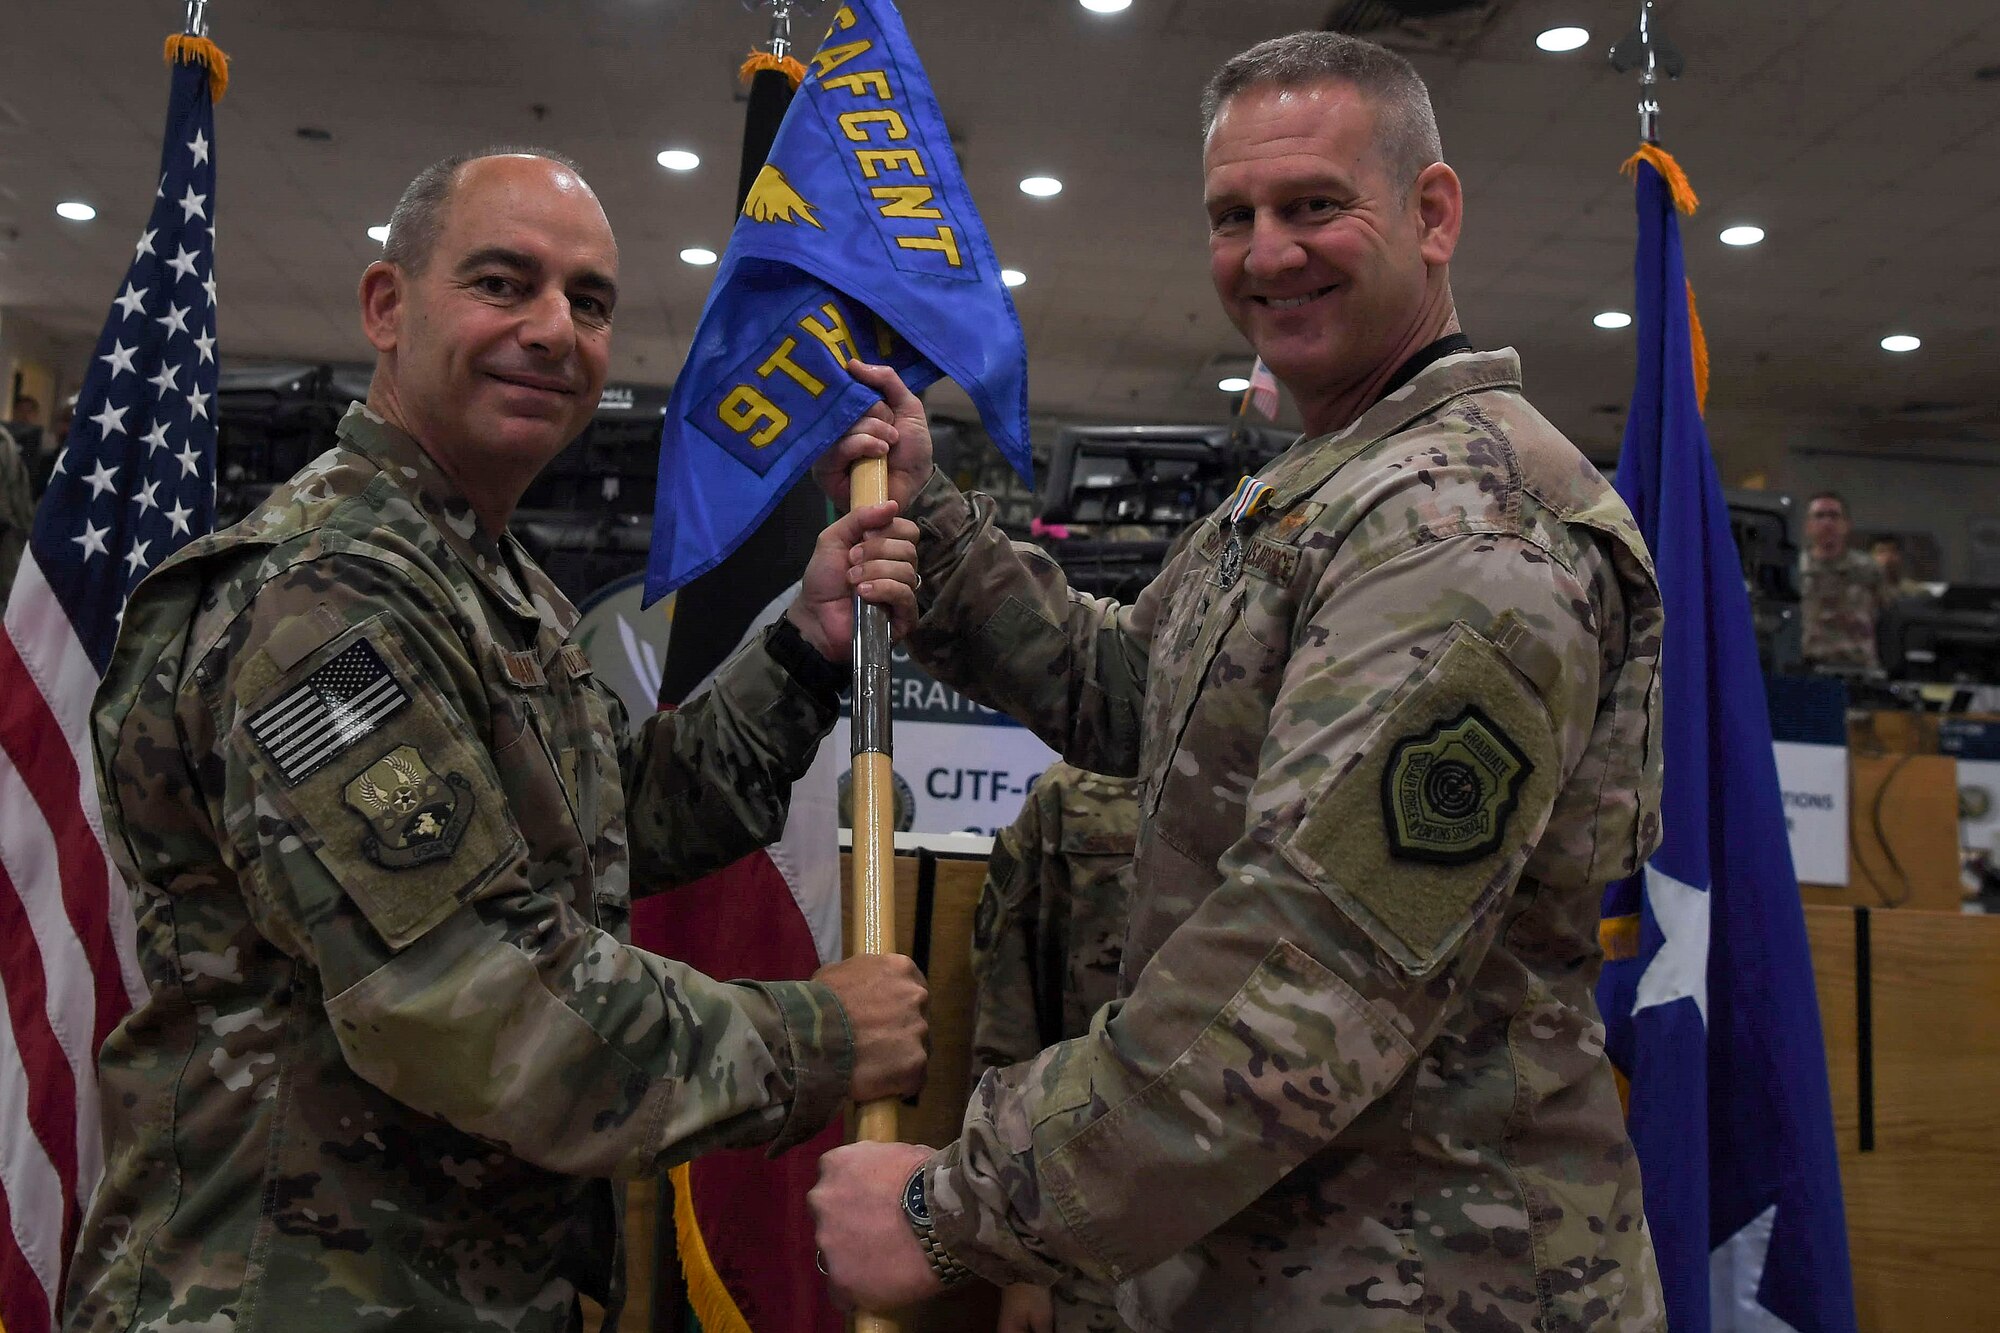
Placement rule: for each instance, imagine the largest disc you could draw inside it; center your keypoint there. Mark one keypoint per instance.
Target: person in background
(1887, 553)
(17, 511)
(1842, 591)
(1047, 938)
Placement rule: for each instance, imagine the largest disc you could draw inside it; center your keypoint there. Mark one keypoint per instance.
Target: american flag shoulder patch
(347, 698)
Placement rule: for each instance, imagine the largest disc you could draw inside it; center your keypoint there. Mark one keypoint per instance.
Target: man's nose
(548, 325)
(1273, 249)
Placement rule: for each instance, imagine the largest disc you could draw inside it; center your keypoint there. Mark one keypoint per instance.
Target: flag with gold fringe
(135, 482)
(1707, 990)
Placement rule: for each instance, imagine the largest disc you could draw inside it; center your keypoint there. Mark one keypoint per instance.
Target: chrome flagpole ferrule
(871, 679)
(197, 19)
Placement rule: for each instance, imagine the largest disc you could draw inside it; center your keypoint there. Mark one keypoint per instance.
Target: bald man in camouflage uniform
(1047, 936)
(1393, 713)
(382, 825)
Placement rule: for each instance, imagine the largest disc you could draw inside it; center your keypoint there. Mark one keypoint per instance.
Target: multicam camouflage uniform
(1045, 946)
(1841, 601)
(17, 511)
(1394, 732)
(374, 814)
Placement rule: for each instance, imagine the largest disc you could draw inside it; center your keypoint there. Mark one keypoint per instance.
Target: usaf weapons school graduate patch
(1415, 837)
(1446, 794)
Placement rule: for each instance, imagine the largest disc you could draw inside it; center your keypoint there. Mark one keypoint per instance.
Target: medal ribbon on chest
(1249, 497)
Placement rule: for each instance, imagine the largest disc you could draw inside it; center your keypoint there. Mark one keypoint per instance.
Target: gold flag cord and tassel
(759, 61)
(188, 49)
(1684, 200)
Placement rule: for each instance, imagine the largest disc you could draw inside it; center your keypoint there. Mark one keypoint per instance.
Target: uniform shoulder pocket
(380, 778)
(1430, 820)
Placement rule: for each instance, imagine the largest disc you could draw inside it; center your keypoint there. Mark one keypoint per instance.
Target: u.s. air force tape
(347, 698)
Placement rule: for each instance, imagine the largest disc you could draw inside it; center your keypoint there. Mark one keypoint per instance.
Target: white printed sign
(1813, 782)
(960, 767)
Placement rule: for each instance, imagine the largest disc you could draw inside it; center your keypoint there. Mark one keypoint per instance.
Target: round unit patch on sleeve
(1447, 793)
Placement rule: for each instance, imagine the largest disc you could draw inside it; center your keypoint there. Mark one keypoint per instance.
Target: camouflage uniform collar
(1303, 467)
(503, 566)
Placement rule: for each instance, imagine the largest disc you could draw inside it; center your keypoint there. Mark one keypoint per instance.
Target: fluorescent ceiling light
(697, 255)
(1611, 319)
(75, 210)
(1013, 277)
(1105, 6)
(678, 159)
(1742, 235)
(1234, 384)
(1563, 39)
(1042, 187)
(1902, 342)
(379, 235)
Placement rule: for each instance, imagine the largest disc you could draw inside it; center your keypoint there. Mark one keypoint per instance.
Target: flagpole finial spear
(1645, 50)
(197, 19)
(782, 12)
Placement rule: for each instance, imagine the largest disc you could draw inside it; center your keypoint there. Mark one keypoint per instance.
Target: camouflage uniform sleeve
(1001, 624)
(454, 978)
(1005, 1012)
(711, 782)
(1346, 927)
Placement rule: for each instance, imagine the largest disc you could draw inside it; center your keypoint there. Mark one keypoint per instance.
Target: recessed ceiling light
(1611, 319)
(1013, 277)
(1562, 39)
(1902, 342)
(75, 210)
(1105, 6)
(1234, 384)
(1742, 235)
(697, 255)
(379, 235)
(678, 159)
(1041, 186)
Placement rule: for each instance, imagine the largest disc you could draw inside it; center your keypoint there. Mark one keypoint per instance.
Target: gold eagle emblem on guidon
(772, 199)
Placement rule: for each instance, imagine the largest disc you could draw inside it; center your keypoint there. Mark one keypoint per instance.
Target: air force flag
(1708, 1002)
(858, 240)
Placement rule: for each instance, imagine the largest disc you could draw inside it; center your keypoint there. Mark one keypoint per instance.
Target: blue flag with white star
(136, 479)
(1711, 1015)
(859, 240)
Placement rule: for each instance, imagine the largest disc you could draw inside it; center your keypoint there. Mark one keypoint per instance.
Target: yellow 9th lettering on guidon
(887, 154)
(751, 413)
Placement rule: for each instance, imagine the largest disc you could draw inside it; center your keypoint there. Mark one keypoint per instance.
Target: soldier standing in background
(381, 827)
(1887, 553)
(17, 511)
(1394, 713)
(1047, 937)
(1842, 591)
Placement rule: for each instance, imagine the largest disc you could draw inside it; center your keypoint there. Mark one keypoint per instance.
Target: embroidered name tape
(345, 700)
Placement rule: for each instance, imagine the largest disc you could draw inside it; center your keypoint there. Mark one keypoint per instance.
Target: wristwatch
(916, 1208)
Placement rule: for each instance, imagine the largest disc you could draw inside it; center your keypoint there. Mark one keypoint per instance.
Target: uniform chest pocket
(1218, 708)
(549, 771)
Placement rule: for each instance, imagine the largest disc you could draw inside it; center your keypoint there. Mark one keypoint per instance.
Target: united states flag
(135, 482)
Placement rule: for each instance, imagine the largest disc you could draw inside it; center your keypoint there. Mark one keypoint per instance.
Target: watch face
(913, 1200)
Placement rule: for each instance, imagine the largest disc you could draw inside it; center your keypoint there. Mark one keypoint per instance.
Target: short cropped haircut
(1406, 132)
(1834, 496)
(418, 218)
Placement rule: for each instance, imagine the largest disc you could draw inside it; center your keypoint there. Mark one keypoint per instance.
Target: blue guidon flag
(859, 240)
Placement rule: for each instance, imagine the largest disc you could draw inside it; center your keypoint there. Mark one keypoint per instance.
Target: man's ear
(1440, 212)
(382, 304)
